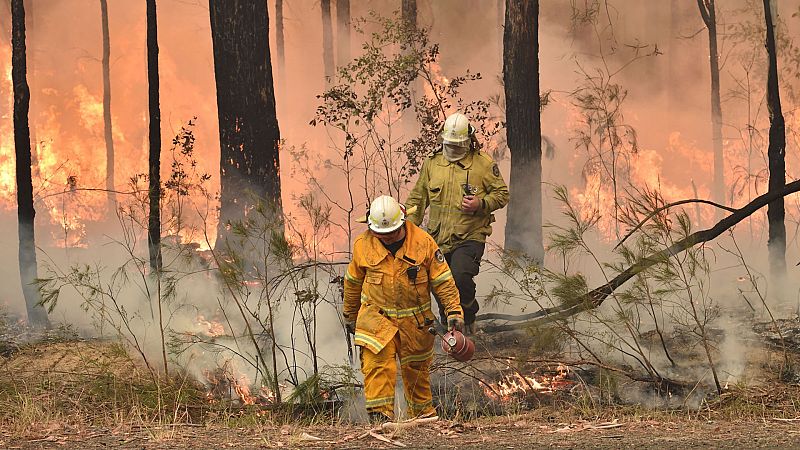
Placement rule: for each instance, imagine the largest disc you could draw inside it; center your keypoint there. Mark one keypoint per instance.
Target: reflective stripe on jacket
(380, 295)
(441, 186)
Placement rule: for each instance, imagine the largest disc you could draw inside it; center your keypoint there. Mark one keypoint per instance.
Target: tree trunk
(154, 219)
(107, 130)
(28, 271)
(709, 15)
(248, 123)
(343, 31)
(327, 39)
(409, 12)
(31, 55)
(523, 127)
(776, 153)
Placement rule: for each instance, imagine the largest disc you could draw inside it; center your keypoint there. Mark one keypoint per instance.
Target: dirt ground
(498, 433)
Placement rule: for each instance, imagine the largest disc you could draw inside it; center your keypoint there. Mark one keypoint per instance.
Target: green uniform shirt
(441, 187)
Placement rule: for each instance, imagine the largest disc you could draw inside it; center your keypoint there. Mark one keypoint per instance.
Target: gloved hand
(350, 325)
(455, 322)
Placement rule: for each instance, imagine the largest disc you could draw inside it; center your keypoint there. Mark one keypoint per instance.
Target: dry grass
(88, 383)
(72, 385)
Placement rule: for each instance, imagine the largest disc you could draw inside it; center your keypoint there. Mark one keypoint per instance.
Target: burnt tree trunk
(248, 124)
(523, 127)
(776, 154)
(343, 31)
(28, 271)
(327, 39)
(154, 160)
(409, 12)
(709, 15)
(107, 129)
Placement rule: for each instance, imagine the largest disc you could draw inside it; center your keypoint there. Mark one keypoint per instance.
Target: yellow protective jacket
(441, 186)
(380, 295)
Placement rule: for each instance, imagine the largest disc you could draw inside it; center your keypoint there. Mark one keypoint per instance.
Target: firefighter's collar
(377, 251)
(408, 252)
(464, 163)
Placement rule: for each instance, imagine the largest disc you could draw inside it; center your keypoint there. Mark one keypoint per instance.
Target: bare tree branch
(704, 11)
(595, 298)
(670, 205)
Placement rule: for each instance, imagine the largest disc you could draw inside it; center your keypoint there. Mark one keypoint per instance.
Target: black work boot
(470, 329)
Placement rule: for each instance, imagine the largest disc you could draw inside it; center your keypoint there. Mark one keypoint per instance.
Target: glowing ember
(517, 384)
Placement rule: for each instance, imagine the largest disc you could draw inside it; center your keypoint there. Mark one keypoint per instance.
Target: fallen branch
(395, 427)
(595, 298)
(517, 317)
(668, 206)
(607, 426)
(587, 426)
(385, 439)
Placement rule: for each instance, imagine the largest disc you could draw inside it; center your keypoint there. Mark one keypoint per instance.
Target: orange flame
(227, 382)
(517, 384)
(210, 328)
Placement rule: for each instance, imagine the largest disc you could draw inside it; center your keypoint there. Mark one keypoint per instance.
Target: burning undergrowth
(491, 384)
(224, 365)
(506, 377)
(543, 380)
(226, 383)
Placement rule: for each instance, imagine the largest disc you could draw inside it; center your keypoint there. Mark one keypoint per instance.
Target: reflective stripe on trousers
(414, 349)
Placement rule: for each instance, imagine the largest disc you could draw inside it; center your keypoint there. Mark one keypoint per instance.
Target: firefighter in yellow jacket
(387, 306)
(462, 186)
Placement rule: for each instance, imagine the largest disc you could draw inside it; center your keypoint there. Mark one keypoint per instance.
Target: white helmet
(456, 130)
(385, 215)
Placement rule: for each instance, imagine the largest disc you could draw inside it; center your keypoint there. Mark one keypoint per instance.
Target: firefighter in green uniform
(462, 186)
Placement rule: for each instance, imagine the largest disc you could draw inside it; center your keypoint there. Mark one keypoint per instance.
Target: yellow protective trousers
(414, 349)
